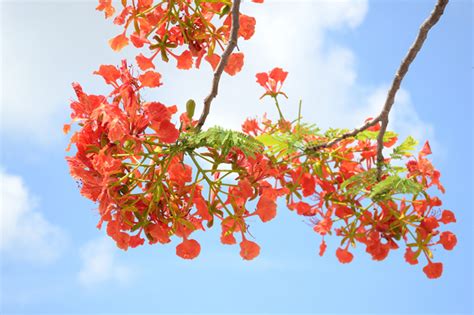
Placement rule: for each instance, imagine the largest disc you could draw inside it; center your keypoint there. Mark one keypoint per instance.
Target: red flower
(213, 60)
(118, 42)
(447, 217)
(144, 63)
(448, 240)
(390, 142)
(324, 226)
(429, 224)
(266, 208)
(343, 211)
(136, 241)
(410, 257)
(159, 232)
(228, 238)
(106, 6)
(201, 205)
(235, 63)
(120, 19)
(433, 270)
(249, 250)
(185, 60)
(188, 249)
(272, 82)
(138, 41)
(66, 128)
(247, 26)
(377, 250)
(122, 239)
(303, 208)
(344, 256)
(110, 73)
(167, 132)
(180, 173)
(426, 149)
(308, 184)
(150, 79)
(322, 248)
(251, 126)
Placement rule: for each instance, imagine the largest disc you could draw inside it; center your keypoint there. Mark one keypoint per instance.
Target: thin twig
(400, 74)
(234, 33)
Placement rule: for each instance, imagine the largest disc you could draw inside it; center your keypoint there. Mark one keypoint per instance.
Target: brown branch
(234, 33)
(414, 49)
(349, 134)
(401, 72)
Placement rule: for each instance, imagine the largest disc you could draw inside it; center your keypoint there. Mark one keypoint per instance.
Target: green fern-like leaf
(225, 140)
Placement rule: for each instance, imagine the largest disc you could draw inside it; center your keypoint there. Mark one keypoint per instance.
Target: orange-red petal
(433, 270)
(185, 60)
(150, 79)
(118, 42)
(144, 63)
(188, 249)
(249, 250)
(235, 63)
(344, 256)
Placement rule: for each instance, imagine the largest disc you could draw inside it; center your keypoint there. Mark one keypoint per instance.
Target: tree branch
(402, 71)
(234, 33)
(400, 74)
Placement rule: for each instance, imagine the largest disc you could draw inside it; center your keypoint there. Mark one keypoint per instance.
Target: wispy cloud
(100, 265)
(403, 119)
(41, 57)
(25, 233)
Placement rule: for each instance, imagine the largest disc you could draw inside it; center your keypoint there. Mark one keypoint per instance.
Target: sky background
(341, 57)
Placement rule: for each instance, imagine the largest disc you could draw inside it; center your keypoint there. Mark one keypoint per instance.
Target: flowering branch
(401, 72)
(133, 160)
(234, 33)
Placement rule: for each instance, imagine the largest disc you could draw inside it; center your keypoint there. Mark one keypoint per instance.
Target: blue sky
(341, 56)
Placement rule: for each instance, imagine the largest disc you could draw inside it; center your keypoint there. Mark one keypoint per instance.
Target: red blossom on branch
(156, 178)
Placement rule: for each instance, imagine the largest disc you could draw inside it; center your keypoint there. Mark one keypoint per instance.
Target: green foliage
(405, 148)
(395, 185)
(224, 140)
(359, 182)
(282, 143)
(372, 135)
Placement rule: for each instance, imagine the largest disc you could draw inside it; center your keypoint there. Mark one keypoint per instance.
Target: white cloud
(41, 57)
(25, 233)
(293, 37)
(321, 73)
(99, 264)
(403, 117)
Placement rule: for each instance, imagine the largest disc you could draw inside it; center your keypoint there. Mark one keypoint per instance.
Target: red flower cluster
(154, 178)
(131, 159)
(338, 189)
(188, 26)
(272, 82)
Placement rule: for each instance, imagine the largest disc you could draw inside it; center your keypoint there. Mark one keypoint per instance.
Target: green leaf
(395, 185)
(358, 182)
(372, 135)
(405, 148)
(225, 140)
(270, 140)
